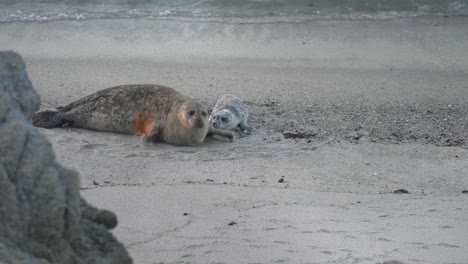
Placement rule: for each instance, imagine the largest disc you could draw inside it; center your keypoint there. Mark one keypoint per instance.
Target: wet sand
(344, 114)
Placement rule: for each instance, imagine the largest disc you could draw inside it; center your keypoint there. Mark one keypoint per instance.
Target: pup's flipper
(224, 133)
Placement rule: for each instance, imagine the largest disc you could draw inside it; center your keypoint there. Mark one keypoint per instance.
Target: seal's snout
(199, 123)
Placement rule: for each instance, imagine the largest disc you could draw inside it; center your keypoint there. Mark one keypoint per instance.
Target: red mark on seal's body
(143, 123)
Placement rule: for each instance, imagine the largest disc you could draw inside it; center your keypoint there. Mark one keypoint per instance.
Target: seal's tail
(48, 119)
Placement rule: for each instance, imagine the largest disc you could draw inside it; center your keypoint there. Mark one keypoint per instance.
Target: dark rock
(298, 134)
(391, 262)
(43, 218)
(401, 191)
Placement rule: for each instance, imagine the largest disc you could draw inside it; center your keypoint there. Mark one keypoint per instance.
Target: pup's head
(223, 119)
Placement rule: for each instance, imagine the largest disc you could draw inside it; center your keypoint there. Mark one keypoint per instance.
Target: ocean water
(234, 11)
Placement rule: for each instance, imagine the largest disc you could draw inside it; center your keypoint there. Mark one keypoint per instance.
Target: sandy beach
(345, 113)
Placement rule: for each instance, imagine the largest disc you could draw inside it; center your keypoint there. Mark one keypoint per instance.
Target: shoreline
(261, 19)
(431, 43)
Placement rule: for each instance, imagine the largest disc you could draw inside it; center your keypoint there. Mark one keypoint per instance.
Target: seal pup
(160, 113)
(230, 112)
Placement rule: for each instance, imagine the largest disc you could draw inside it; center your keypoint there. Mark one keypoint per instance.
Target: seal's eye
(223, 119)
(191, 113)
(203, 113)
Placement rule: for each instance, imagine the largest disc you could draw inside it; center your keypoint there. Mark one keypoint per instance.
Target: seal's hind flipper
(48, 119)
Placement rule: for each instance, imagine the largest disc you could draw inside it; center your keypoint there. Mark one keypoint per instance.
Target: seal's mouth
(199, 124)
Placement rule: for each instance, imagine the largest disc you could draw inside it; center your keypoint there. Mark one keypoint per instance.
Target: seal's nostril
(199, 123)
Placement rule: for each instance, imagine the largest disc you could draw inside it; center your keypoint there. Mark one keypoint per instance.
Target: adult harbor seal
(160, 113)
(230, 112)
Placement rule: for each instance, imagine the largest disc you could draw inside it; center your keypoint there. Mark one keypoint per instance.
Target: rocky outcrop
(43, 219)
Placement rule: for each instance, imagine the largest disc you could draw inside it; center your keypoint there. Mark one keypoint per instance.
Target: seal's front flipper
(155, 135)
(49, 119)
(224, 133)
(245, 127)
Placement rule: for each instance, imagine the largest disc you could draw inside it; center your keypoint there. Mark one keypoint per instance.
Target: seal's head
(223, 119)
(194, 115)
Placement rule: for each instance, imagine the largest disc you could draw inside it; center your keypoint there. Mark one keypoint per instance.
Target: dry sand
(367, 108)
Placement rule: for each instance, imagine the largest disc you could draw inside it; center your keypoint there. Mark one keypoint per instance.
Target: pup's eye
(203, 113)
(223, 119)
(191, 113)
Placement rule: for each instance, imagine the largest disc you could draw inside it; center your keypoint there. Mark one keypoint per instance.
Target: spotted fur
(229, 113)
